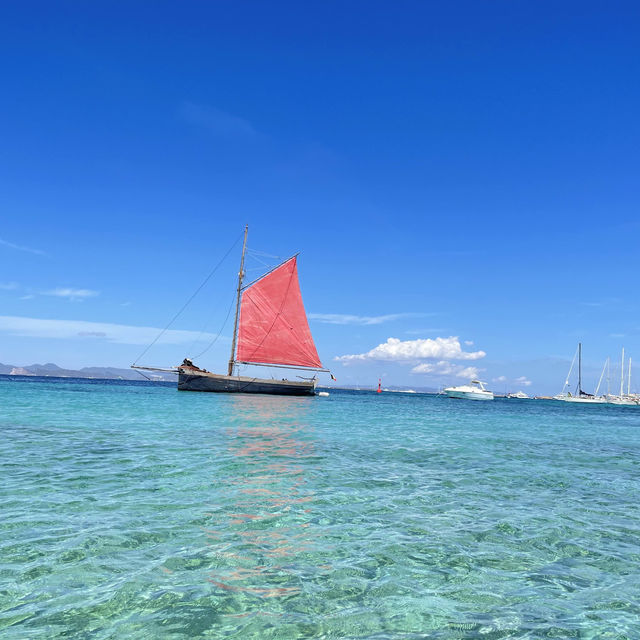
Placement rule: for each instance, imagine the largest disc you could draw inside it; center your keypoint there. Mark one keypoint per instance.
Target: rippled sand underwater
(130, 510)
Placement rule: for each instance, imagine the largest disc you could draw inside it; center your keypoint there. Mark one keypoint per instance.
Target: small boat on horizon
(520, 395)
(475, 390)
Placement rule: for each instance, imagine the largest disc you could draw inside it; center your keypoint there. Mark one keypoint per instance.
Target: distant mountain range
(51, 369)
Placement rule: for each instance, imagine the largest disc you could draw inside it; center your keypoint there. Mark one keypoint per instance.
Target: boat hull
(624, 402)
(580, 400)
(470, 395)
(215, 383)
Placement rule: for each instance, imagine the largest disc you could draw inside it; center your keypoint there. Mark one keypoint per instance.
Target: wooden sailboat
(270, 329)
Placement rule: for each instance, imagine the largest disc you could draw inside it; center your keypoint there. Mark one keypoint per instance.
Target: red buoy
(379, 385)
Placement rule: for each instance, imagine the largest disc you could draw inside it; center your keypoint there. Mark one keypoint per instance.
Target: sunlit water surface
(135, 511)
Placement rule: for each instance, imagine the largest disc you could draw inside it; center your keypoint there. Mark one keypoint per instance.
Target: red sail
(273, 323)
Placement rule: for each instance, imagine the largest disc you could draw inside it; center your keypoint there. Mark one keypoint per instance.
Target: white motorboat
(520, 395)
(473, 391)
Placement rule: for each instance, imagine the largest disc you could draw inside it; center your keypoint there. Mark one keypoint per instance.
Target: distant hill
(51, 369)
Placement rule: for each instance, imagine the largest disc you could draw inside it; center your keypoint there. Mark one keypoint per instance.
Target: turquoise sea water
(129, 510)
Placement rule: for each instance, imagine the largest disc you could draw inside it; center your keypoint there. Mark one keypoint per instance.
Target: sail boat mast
(601, 376)
(566, 382)
(629, 380)
(579, 368)
(622, 375)
(235, 322)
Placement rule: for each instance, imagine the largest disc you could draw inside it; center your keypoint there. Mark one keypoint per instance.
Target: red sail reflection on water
(262, 530)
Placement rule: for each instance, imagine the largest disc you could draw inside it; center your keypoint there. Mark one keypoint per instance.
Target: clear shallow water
(134, 511)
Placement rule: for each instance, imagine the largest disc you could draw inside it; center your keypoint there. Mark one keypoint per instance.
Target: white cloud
(18, 247)
(395, 350)
(216, 121)
(522, 380)
(601, 303)
(71, 294)
(343, 318)
(468, 372)
(468, 343)
(444, 368)
(82, 330)
(427, 367)
(58, 292)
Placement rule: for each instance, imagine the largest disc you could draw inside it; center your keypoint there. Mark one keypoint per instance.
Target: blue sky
(460, 169)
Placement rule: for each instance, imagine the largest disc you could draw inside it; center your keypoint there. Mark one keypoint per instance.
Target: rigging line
(264, 275)
(224, 324)
(203, 330)
(193, 295)
(254, 379)
(263, 254)
(259, 268)
(241, 389)
(262, 262)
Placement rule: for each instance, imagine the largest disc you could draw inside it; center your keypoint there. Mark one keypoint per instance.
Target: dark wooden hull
(215, 383)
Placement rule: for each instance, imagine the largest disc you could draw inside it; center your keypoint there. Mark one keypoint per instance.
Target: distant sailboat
(270, 329)
(580, 396)
(624, 399)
